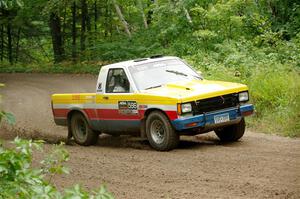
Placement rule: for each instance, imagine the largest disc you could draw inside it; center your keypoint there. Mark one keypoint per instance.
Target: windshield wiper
(183, 74)
(152, 87)
(176, 72)
(198, 77)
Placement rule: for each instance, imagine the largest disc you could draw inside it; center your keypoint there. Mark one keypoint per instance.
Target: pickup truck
(158, 98)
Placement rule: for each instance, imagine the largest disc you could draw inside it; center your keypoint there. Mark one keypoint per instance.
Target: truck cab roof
(126, 64)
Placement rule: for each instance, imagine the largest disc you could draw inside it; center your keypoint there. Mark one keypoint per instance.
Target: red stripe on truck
(60, 112)
(171, 114)
(110, 114)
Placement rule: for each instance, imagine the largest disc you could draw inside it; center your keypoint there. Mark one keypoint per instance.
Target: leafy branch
(19, 179)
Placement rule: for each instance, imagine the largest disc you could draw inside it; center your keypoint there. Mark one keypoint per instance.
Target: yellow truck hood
(192, 90)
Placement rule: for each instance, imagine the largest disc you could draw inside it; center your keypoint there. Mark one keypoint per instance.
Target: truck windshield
(156, 74)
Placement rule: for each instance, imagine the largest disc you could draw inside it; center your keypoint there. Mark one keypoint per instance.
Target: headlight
(243, 96)
(186, 108)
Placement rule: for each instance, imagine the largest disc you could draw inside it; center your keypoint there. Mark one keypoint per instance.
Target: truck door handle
(105, 97)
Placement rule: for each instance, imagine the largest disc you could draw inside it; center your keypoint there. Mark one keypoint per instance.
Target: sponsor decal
(143, 107)
(99, 88)
(128, 107)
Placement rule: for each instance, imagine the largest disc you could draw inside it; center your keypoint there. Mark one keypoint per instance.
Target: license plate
(221, 118)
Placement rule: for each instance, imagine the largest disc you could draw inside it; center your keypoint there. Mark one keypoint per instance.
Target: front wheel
(231, 133)
(81, 131)
(160, 132)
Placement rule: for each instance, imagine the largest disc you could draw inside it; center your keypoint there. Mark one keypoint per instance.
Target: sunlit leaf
(10, 118)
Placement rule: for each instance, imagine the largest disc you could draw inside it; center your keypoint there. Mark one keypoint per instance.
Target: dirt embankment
(259, 166)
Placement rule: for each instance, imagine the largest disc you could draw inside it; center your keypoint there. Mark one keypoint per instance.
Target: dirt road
(259, 166)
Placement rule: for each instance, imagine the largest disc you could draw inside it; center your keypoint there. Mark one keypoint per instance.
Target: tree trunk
(2, 42)
(55, 26)
(83, 24)
(150, 11)
(122, 19)
(117, 28)
(88, 26)
(106, 19)
(9, 42)
(188, 16)
(17, 45)
(64, 26)
(143, 14)
(95, 15)
(88, 20)
(110, 30)
(74, 33)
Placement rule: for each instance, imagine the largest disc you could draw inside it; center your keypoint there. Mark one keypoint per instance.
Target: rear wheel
(81, 131)
(160, 132)
(231, 133)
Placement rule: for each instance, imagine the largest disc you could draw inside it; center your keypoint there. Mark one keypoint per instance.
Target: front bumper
(207, 119)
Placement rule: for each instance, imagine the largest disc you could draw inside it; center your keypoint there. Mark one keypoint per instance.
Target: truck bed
(62, 104)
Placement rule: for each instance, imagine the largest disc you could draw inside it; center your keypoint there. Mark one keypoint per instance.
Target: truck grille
(215, 103)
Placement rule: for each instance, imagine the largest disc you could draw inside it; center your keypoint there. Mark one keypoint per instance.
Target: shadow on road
(186, 142)
(124, 141)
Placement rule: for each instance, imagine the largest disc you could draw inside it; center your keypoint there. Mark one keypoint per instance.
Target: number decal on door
(128, 107)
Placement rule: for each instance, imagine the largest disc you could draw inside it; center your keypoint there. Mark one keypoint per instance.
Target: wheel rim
(157, 131)
(80, 129)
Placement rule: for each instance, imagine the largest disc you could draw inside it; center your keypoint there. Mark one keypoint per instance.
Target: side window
(117, 81)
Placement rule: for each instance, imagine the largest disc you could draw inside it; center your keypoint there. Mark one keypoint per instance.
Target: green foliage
(19, 179)
(9, 117)
(10, 4)
(276, 96)
(54, 163)
(204, 35)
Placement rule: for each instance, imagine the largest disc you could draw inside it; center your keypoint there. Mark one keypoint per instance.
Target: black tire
(81, 130)
(231, 133)
(160, 132)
